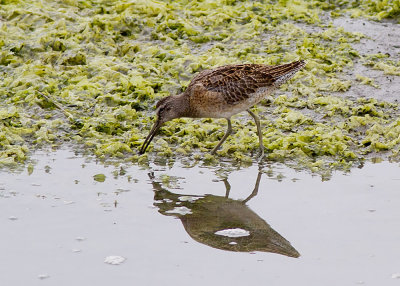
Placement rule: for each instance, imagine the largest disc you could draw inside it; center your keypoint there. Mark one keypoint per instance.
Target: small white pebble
(396, 275)
(232, 243)
(233, 232)
(68, 202)
(114, 260)
(75, 250)
(43, 276)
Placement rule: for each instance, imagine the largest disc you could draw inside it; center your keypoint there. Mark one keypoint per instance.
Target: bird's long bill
(150, 137)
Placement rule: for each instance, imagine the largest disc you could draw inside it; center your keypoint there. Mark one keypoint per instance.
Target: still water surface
(197, 226)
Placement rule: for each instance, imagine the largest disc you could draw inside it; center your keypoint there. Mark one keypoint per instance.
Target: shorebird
(222, 92)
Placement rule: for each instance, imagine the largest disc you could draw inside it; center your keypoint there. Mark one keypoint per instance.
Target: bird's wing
(238, 82)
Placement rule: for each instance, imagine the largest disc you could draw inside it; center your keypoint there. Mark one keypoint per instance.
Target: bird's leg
(227, 187)
(255, 191)
(259, 133)
(228, 132)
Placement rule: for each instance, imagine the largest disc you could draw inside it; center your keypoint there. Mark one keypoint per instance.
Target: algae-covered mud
(89, 73)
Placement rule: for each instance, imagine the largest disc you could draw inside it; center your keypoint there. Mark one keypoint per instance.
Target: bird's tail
(282, 73)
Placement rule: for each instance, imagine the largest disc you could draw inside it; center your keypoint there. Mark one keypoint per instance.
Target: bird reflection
(221, 222)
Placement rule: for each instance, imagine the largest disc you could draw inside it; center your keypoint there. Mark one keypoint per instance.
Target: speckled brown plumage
(222, 92)
(239, 82)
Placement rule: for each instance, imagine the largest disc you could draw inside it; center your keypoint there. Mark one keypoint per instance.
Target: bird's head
(167, 108)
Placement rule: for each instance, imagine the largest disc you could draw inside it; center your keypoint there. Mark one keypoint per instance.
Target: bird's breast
(207, 104)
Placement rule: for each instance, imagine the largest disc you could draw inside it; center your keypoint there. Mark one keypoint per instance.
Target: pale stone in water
(114, 260)
(233, 232)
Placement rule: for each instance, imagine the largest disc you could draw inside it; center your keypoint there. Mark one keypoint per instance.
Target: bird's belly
(243, 105)
(231, 110)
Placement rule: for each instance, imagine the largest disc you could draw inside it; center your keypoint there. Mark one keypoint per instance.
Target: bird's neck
(182, 105)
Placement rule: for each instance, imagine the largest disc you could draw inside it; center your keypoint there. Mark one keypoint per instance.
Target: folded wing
(239, 82)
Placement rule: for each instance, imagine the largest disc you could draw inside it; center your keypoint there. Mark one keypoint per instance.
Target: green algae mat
(89, 73)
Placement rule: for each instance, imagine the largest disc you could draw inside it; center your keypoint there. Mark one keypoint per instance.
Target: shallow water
(59, 225)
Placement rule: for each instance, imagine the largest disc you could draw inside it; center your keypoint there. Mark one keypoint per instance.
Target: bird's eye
(165, 109)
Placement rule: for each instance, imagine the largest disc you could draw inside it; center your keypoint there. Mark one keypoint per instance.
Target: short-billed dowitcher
(222, 92)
